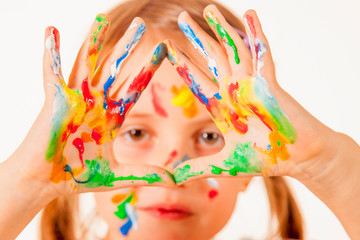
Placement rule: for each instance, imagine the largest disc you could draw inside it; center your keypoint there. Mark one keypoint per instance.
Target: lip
(168, 211)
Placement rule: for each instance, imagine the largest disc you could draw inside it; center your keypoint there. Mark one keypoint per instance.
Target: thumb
(52, 74)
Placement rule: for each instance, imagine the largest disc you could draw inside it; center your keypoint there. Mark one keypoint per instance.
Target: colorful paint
(126, 211)
(213, 183)
(189, 33)
(182, 174)
(96, 110)
(171, 157)
(157, 101)
(225, 37)
(184, 98)
(237, 102)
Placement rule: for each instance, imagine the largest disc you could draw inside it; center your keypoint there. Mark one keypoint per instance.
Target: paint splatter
(213, 193)
(96, 110)
(182, 174)
(238, 101)
(98, 173)
(225, 37)
(185, 99)
(157, 102)
(212, 182)
(126, 210)
(189, 33)
(171, 157)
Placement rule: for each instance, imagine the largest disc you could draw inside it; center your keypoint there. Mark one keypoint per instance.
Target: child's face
(159, 132)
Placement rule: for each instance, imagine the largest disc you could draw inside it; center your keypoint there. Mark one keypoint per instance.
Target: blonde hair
(59, 216)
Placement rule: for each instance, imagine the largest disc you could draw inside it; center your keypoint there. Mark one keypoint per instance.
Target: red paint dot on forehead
(212, 194)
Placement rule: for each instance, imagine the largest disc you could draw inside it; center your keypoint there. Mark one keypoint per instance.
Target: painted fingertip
(159, 54)
(52, 38)
(216, 25)
(171, 52)
(52, 44)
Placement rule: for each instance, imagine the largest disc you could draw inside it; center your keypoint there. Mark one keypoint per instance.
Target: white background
(315, 45)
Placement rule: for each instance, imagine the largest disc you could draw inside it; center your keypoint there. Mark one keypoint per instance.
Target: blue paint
(189, 33)
(124, 229)
(217, 95)
(177, 163)
(133, 41)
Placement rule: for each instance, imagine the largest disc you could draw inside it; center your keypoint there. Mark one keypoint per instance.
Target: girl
(182, 130)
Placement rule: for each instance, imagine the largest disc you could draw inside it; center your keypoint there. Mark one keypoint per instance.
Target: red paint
(96, 135)
(88, 97)
(184, 73)
(255, 110)
(56, 35)
(232, 90)
(70, 128)
(250, 21)
(140, 81)
(172, 155)
(156, 103)
(79, 144)
(213, 193)
(239, 125)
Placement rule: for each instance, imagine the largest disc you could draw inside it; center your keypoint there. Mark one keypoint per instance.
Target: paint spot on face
(126, 210)
(213, 193)
(171, 157)
(184, 98)
(184, 158)
(157, 101)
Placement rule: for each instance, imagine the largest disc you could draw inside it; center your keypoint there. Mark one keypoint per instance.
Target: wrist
(21, 198)
(334, 177)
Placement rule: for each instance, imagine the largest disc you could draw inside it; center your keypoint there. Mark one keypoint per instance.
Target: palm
(256, 129)
(86, 117)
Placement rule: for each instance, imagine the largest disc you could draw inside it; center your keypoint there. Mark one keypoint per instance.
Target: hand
(265, 130)
(81, 119)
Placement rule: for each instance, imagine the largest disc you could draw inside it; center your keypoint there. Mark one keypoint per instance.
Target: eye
(137, 135)
(210, 139)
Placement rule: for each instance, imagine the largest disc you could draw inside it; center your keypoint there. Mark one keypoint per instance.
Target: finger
(129, 92)
(262, 59)
(99, 177)
(237, 52)
(206, 45)
(200, 85)
(51, 61)
(243, 160)
(85, 63)
(115, 60)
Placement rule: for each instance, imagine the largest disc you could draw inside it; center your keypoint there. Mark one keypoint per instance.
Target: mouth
(168, 211)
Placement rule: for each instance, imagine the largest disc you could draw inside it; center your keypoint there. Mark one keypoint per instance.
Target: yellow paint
(183, 97)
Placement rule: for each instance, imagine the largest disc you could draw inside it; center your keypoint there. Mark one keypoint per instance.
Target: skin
(323, 167)
(153, 147)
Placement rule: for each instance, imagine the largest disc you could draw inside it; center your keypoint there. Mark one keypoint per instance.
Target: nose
(173, 149)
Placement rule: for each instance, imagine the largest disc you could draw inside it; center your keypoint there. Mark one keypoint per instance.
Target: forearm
(335, 179)
(20, 199)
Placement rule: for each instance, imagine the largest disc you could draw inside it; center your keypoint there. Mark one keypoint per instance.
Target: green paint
(182, 174)
(99, 174)
(101, 18)
(214, 80)
(243, 159)
(223, 34)
(121, 213)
